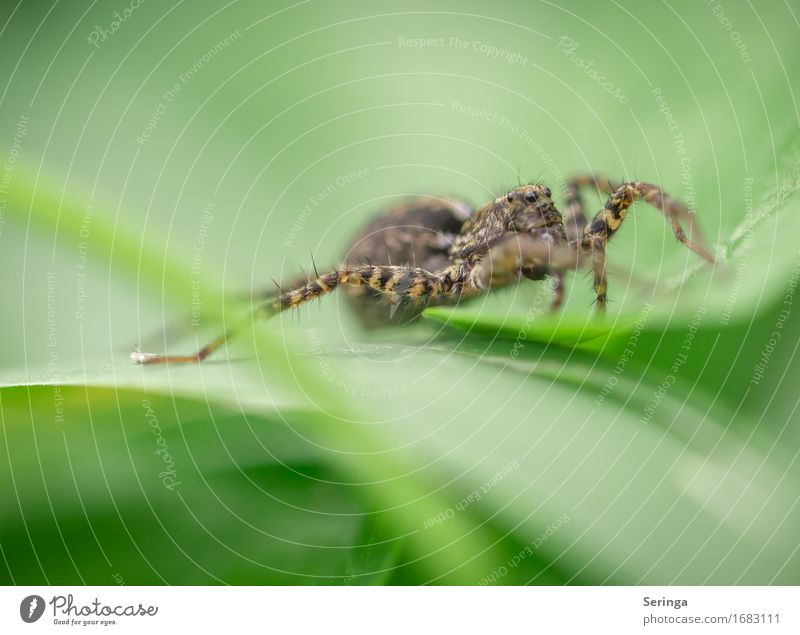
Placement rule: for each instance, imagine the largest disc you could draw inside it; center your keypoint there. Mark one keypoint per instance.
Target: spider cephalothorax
(435, 251)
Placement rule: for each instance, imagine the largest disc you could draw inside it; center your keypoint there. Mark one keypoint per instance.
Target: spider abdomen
(418, 233)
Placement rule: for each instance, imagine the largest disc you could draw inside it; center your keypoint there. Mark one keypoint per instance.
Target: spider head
(530, 206)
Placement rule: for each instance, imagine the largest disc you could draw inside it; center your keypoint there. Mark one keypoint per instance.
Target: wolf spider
(445, 253)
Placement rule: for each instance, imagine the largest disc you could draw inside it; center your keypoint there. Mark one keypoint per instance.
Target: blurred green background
(161, 160)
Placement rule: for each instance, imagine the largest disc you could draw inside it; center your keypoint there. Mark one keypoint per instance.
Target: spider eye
(531, 196)
(510, 196)
(548, 192)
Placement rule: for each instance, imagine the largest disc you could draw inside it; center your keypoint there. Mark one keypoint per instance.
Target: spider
(436, 251)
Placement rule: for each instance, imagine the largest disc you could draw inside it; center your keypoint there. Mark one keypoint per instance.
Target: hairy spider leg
(609, 219)
(558, 290)
(397, 283)
(574, 214)
(506, 261)
(275, 288)
(673, 209)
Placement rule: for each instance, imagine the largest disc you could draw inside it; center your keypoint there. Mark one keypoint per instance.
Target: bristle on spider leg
(314, 264)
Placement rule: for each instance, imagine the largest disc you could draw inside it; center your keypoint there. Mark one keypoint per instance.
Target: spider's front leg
(396, 283)
(608, 220)
(623, 195)
(574, 215)
(558, 291)
(510, 259)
